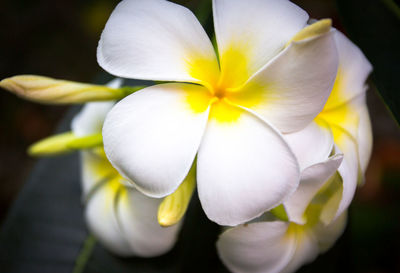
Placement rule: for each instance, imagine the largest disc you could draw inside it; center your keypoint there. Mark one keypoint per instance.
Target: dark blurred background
(59, 39)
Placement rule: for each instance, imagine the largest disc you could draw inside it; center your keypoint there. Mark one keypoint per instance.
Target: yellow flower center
(219, 92)
(227, 82)
(221, 82)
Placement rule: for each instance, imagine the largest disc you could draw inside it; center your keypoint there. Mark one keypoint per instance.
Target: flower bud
(53, 91)
(64, 143)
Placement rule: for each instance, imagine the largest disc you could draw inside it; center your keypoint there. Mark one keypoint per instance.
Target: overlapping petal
(152, 136)
(312, 179)
(122, 218)
(348, 170)
(349, 89)
(293, 87)
(306, 251)
(87, 122)
(275, 246)
(364, 138)
(328, 234)
(311, 145)
(256, 248)
(101, 218)
(240, 166)
(156, 40)
(250, 33)
(137, 214)
(90, 120)
(353, 71)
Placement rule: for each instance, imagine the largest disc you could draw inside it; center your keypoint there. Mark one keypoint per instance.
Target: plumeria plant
(270, 125)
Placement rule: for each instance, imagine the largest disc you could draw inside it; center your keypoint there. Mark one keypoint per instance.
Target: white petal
(123, 219)
(244, 167)
(353, 118)
(255, 31)
(138, 218)
(364, 138)
(95, 170)
(293, 88)
(257, 247)
(115, 83)
(328, 200)
(154, 40)
(353, 71)
(306, 251)
(311, 145)
(312, 179)
(347, 177)
(348, 170)
(152, 136)
(102, 220)
(91, 118)
(327, 235)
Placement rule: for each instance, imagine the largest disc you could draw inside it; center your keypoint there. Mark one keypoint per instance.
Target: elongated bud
(174, 206)
(318, 28)
(64, 143)
(53, 91)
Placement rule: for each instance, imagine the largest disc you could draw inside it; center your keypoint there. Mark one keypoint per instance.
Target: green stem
(85, 253)
(127, 90)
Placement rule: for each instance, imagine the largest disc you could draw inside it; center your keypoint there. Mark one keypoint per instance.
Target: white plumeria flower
(343, 126)
(123, 219)
(270, 76)
(276, 246)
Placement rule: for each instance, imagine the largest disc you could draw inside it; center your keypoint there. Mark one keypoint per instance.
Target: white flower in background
(275, 246)
(343, 126)
(123, 219)
(317, 210)
(273, 75)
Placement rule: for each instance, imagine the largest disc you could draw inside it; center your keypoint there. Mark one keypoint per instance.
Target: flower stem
(85, 253)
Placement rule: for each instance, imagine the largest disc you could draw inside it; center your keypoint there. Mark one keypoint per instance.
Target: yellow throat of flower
(228, 83)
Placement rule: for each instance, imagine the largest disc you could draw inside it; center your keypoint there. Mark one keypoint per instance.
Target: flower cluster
(270, 125)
